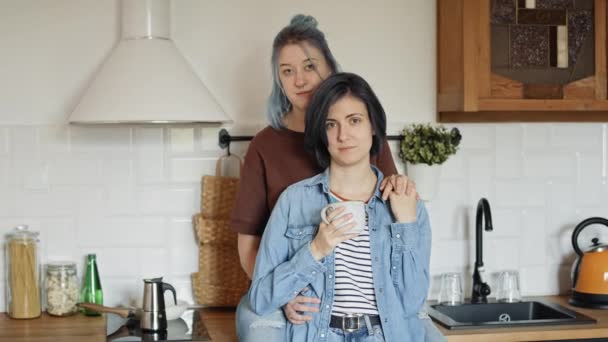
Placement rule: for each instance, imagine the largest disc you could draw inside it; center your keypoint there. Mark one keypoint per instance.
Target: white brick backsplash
(24, 142)
(210, 139)
(506, 222)
(128, 194)
(121, 291)
(7, 200)
(543, 166)
(181, 139)
(153, 262)
(450, 254)
(576, 136)
(536, 136)
(4, 142)
(5, 173)
(123, 232)
(150, 162)
(481, 169)
(589, 180)
(55, 141)
(191, 169)
(452, 209)
(477, 136)
(117, 171)
(509, 148)
(121, 200)
(150, 168)
(562, 208)
(58, 236)
(59, 201)
(184, 247)
(521, 195)
(109, 141)
(89, 201)
(111, 262)
(155, 200)
(533, 239)
(500, 253)
(74, 172)
(453, 168)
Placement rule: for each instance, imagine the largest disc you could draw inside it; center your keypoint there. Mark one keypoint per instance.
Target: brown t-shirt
(276, 159)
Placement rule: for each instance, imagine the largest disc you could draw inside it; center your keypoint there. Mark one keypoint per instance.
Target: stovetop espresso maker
(153, 315)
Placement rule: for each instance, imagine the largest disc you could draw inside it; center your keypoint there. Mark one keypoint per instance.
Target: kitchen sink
(497, 315)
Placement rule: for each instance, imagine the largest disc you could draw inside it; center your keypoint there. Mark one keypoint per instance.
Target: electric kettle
(153, 317)
(590, 270)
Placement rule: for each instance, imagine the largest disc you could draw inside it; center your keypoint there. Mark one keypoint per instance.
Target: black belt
(352, 323)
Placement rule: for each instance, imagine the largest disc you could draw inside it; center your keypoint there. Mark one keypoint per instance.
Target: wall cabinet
(470, 90)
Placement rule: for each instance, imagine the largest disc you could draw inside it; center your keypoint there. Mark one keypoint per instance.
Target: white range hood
(146, 79)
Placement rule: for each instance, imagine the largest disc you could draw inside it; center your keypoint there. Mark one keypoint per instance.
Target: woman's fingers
(388, 186)
(401, 184)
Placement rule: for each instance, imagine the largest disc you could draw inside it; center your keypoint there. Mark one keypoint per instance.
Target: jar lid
(22, 231)
(60, 265)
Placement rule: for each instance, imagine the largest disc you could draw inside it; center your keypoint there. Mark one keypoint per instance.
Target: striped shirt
(354, 283)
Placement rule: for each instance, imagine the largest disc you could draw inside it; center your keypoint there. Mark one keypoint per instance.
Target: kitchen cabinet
(468, 89)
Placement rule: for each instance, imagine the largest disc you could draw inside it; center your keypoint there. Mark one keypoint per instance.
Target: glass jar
(62, 290)
(22, 273)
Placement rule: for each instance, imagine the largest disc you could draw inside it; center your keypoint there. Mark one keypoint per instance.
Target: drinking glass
(450, 292)
(508, 287)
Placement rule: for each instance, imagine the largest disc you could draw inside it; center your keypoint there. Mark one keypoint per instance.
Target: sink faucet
(481, 290)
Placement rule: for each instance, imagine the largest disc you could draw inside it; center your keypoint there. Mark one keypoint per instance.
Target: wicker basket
(214, 231)
(215, 295)
(220, 280)
(218, 196)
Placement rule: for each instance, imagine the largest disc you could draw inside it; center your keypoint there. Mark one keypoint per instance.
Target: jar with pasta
(62, 290)
(22, 273)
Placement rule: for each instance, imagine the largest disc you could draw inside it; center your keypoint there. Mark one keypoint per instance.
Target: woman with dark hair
(371, 284)
(276, 158)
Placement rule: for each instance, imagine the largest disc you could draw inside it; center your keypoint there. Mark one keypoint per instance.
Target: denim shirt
(400, 254)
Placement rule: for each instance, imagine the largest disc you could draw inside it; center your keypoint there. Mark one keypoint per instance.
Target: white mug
(357, 208)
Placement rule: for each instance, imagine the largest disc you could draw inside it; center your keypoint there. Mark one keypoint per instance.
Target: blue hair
(302, 28)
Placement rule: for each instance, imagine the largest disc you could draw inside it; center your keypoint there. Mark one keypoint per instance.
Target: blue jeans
(431, 333)
(366, 334)
(251, 327)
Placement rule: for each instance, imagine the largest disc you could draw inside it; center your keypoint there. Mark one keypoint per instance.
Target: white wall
(128, 193)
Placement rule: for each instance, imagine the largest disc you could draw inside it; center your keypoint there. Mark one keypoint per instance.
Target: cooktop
(189, 327)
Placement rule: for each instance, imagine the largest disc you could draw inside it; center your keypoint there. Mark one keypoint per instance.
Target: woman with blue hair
(276, 158)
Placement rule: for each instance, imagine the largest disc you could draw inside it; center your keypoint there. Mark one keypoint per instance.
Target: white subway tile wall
(128, 193)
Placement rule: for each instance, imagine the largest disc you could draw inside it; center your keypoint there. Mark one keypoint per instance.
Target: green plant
(428, 144)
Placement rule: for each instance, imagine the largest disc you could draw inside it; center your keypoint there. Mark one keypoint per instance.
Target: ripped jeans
(251, 327)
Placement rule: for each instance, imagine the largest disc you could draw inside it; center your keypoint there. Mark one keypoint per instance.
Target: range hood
(146, 79)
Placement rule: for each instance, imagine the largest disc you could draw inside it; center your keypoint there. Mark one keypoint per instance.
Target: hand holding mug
(330, 234)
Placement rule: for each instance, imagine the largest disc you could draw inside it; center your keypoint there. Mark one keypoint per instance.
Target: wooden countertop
(221, 327)
(47, 328)
(553, 332)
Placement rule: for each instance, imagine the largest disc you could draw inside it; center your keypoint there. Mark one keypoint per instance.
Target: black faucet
(481, 290)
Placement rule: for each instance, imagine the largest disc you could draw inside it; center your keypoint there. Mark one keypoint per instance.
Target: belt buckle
(348, 317)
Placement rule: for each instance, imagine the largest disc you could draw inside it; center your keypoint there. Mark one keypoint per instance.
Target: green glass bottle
(91, 286)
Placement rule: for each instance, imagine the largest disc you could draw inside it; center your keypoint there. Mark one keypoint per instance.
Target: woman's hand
(404, 205)
(397, 183)
(329, 235)
(296, 309)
